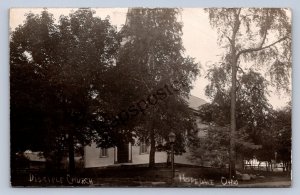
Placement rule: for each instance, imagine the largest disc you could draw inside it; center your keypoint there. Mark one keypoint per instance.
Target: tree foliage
(211, 150)
(58, 77)
(277, 147)
(252, 37)
(253, 118)
(71, 82)
(151, 57)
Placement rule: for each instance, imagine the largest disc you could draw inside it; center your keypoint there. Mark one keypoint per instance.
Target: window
(103, 152)
(143, 148)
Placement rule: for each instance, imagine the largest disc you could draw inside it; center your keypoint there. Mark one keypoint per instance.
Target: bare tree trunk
(234, 66)
(232, 153)
(152, 148)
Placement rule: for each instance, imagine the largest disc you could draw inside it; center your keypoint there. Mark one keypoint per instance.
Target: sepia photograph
(150, 97)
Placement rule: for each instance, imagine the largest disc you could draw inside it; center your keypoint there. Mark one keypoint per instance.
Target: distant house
(138, 153)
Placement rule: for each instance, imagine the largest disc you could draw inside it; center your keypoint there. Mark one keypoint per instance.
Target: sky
(199, 40)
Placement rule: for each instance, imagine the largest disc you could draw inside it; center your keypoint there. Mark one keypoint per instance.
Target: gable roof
(194, 102)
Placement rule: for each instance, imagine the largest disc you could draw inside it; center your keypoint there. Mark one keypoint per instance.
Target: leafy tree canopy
(58, 77)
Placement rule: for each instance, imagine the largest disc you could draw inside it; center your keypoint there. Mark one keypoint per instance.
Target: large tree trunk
(152, 148)
(234, 67)
(233, 120)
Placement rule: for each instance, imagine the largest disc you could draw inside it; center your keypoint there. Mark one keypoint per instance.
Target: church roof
(194, 102)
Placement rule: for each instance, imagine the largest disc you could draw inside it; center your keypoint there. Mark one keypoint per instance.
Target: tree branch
(229, 39)
(265, 34)
(260, 47)
(264, 39)
(239, 12)
(236, 27)
(241, 70)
